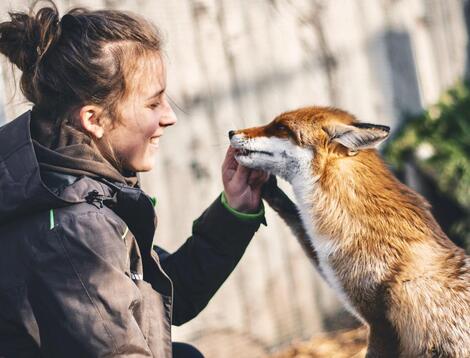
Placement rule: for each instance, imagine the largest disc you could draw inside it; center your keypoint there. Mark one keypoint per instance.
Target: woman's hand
(242, 186)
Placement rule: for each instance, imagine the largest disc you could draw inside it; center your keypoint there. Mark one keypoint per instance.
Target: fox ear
(358, 136)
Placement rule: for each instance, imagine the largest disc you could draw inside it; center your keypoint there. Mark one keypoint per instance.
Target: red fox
(373, 239)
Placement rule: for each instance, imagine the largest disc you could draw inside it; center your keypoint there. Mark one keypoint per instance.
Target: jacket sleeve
(201, 265)
(80, 295)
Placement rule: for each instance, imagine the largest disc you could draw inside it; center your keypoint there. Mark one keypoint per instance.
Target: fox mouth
(247, 152)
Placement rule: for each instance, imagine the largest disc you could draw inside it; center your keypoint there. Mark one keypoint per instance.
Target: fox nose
(230, 134)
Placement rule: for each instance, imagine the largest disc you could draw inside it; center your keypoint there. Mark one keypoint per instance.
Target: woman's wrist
(240, 212)
(241, 205)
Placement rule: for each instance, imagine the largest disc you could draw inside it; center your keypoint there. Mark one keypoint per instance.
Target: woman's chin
(143, 166)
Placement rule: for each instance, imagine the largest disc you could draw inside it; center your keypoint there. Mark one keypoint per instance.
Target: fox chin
(373, 239)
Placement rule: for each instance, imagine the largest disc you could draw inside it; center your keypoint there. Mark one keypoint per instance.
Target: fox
(372, 238)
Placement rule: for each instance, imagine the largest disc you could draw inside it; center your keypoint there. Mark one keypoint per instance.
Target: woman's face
(144, 115)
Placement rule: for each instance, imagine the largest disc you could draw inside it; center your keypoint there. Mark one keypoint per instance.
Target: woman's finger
(229, 161)
(242, 174)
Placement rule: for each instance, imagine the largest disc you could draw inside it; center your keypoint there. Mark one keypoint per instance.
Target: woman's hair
(82, 58)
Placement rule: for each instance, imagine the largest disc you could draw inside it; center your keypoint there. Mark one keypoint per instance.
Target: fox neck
(349, 193)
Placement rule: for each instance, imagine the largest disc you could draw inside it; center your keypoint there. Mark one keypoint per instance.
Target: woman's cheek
(153, 127)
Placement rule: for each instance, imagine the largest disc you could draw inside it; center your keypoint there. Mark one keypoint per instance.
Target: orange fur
(396, 267)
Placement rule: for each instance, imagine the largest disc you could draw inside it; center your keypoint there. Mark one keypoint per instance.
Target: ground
(338, 344)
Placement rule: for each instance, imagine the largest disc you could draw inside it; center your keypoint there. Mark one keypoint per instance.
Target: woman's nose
(169, 118)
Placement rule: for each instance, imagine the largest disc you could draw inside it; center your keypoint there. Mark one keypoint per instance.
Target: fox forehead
(315, 117)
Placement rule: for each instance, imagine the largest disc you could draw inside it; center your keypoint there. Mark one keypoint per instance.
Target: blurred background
(239, 63)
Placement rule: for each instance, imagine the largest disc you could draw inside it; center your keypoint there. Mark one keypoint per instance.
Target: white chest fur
(325, 247)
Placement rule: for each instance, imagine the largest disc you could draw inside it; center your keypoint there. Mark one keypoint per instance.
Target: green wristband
(240, 215)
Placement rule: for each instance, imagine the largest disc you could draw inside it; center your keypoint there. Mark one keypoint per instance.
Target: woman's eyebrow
(158, 93)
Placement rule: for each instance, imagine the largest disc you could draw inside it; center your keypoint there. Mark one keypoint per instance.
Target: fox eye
(281, 127)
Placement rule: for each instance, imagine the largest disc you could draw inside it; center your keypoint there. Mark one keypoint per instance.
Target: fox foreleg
(287, 210)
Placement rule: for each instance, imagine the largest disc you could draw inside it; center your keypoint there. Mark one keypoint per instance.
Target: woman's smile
(154, 141)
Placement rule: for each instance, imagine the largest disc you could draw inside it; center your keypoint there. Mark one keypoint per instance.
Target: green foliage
(438, 141)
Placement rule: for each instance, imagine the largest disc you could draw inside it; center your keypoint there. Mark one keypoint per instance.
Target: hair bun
(27, 37)
(85, 58)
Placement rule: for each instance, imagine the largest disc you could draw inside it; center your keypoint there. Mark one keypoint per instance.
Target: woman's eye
(154, 105)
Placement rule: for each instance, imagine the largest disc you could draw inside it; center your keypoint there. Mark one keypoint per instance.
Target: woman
(79, 276)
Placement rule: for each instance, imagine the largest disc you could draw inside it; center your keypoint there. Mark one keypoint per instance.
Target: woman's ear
(358, 136)
(89, 120)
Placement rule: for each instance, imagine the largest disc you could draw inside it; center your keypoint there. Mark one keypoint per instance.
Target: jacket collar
(26, 189)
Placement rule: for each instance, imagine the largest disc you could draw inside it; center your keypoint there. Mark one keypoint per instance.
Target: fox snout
(230, 134)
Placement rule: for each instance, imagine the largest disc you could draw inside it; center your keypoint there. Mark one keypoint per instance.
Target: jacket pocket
(155, 320)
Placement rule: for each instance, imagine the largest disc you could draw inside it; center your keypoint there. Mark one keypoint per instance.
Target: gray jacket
(79, 276)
